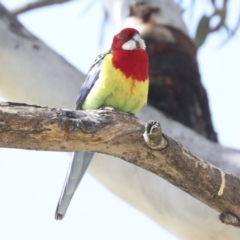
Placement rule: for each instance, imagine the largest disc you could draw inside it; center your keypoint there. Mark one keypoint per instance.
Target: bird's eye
(123, 37)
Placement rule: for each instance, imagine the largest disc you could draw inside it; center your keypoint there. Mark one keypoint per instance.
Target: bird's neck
(132, 63)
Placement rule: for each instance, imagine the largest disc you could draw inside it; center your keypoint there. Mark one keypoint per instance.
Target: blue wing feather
(92, 77)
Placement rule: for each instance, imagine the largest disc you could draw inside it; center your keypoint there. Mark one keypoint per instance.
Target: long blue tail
(77, 168)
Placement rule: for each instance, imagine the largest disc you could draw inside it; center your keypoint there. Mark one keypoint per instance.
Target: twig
(35, 5)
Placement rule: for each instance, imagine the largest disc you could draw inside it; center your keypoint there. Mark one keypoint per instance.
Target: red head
(128, 39)
(129, 55)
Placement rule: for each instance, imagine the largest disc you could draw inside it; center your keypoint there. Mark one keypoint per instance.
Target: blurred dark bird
(175, 83)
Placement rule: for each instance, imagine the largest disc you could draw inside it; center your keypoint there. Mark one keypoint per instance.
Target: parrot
(117, 79)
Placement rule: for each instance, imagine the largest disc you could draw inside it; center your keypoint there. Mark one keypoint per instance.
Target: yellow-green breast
(114, 89)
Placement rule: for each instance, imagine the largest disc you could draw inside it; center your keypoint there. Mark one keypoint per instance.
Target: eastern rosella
(117, 79)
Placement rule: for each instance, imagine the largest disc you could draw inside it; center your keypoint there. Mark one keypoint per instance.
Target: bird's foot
(132, 114)
(107, 108)
(129, 114)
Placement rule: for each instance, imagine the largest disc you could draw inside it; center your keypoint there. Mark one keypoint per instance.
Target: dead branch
(35, 5)
(121, 135)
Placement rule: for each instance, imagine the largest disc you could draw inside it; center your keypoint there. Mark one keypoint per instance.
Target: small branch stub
(229, 219)
(153, 135)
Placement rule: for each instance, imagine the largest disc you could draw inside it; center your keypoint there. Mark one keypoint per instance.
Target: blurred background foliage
(214, 18)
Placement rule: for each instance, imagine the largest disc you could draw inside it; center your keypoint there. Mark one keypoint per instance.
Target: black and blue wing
(80, 160)
(92, 77)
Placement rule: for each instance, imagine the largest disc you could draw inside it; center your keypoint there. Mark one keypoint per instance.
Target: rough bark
(123, 136)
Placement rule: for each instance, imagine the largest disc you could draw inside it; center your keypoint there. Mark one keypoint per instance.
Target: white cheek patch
(132, 44)
(129, 45)
(142, 44)
(138, 38)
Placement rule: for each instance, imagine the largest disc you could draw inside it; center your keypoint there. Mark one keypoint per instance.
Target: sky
(31, 181)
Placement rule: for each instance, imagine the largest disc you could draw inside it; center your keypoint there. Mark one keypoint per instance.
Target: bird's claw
(107, 108)
(132, 114)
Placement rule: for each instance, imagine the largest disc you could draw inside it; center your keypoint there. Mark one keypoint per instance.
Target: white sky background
(31, 181)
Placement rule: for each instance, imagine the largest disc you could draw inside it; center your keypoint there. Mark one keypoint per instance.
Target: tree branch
(35, 5)
(41, 128)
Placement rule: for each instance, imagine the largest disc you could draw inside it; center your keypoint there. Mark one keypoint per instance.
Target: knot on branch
(75, 121)
(229, 219)
(153, 135)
